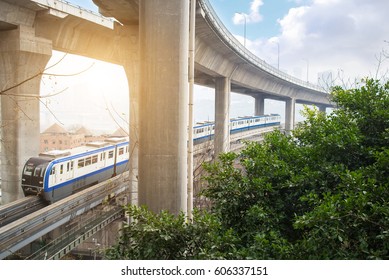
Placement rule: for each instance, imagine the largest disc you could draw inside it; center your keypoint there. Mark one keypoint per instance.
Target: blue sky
(309, 39)
(267, 12)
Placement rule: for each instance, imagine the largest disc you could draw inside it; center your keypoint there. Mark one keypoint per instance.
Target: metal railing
(66, 6)
(76, 236)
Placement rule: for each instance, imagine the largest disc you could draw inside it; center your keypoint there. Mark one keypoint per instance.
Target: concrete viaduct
(151, 40)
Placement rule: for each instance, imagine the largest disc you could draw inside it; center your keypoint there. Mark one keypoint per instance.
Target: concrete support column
(131, 66)
(289, 114)
(322, 108)
(22, 58)
(163, 104)
(222, 115)
(259, 105)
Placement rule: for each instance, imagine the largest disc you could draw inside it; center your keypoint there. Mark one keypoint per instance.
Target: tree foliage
(164, 236)
(321, 193)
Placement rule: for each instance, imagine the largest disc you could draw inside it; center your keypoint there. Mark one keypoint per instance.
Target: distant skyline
(304, 38)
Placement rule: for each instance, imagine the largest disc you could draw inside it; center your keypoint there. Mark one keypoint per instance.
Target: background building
(57, 137)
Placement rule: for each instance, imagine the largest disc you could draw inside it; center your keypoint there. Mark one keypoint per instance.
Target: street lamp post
(278, 55)
(278, 52)
(245, 23)
(307, 68)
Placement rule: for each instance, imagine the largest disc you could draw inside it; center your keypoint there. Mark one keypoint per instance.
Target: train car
(57, 174)
(204, 131)
(253, 122)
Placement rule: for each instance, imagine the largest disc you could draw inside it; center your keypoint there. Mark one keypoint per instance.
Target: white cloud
(253, 16)
(342, 36)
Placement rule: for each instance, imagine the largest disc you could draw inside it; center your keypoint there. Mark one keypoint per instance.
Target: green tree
(321, 193)
(163, 236)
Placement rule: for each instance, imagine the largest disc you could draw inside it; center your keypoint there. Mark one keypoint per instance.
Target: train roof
(55, 154)
(91, 146)
(207, 123)
(253, 117)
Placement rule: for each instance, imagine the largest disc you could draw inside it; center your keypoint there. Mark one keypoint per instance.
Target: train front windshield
(32, 176)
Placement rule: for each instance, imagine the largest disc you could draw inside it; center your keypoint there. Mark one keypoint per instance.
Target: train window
(88, 161)
(121, 151)
(68, 167)
(28, 170)
(61, 169)
(102, 156)
(94, 159)
(71, 165)
(52, 171)
(110, 154)
(37, 172)
(81, 163)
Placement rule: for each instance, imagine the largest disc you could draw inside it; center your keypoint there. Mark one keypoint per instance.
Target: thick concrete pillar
(22, 57)
(222, 115)
(322, 108)
(131, 66)
(289, 114)
(163, 104)
(259, 105)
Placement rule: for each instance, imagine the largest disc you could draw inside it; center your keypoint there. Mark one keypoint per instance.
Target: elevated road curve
(219, 54)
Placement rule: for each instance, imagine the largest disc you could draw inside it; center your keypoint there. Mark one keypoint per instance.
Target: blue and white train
(205, 131)
(57, 174)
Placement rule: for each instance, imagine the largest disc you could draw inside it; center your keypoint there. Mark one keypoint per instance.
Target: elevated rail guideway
(150, 39)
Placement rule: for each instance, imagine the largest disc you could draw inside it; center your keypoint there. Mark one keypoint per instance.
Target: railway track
(23, 231)
(20, 208)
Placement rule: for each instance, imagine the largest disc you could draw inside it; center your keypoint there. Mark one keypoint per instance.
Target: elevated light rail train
(57, 174)
(205, 131)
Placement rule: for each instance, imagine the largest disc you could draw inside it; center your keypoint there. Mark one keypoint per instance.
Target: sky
(309, 39)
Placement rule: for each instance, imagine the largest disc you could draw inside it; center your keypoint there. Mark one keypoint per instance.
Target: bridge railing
(230, 39)
(76, 10)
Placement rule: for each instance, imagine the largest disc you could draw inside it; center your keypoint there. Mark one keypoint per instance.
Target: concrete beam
(163, 104)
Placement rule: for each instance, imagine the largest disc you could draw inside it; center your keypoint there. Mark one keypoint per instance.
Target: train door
(53, 176)
(103, 162)
(69, 170)
(115, 161)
